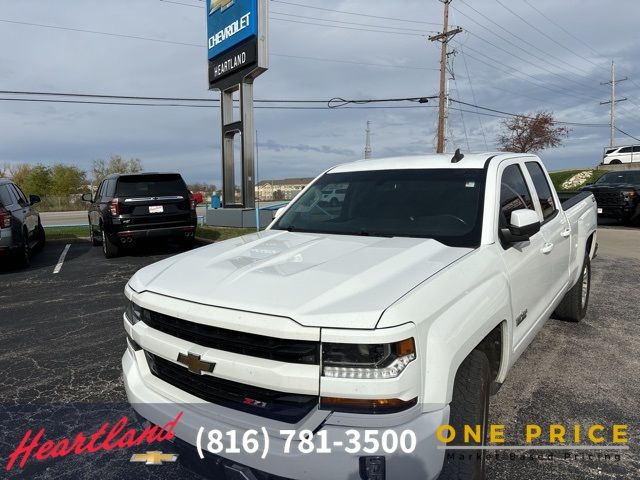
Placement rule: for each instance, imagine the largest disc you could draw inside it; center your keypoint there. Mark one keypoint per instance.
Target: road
(61, 341)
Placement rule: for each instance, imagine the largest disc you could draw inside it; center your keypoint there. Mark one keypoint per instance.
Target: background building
(268, 190)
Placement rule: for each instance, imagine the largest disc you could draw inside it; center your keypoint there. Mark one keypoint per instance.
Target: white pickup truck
(346, 334)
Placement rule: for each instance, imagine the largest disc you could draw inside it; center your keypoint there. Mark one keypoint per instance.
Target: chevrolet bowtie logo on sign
(154, 458)
(195, 364)
(220, 4)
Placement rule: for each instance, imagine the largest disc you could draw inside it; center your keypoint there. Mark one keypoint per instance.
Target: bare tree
(116, 164)
(522, 134)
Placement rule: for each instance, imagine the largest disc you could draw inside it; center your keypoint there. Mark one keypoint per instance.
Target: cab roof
(442, 160)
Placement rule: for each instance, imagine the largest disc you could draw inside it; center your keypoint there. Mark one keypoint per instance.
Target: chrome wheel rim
(585, 285)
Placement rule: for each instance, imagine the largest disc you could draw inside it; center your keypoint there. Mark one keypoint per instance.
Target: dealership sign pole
(238, 52)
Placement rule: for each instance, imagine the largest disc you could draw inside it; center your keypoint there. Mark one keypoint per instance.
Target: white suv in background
(623, 154)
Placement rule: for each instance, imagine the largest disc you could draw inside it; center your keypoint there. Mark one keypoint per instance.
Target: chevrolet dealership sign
(237, 31)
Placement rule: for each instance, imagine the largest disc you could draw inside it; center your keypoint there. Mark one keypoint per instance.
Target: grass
(219, 234)
(66, 233)
(210, 233)
(558, 178)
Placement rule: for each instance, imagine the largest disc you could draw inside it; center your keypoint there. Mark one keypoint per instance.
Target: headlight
(629, 195)
(134, 313)
(361, 361)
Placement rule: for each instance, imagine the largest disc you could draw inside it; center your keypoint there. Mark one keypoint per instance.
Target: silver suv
(21, 231)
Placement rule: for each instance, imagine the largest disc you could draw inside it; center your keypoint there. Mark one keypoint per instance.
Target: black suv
(618, 195)
(20, 229)
(147, 205)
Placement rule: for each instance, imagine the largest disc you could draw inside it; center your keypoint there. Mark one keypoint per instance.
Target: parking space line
(61, 260)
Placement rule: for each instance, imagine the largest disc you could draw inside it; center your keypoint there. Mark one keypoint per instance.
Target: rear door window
(141, 186)
(5, 197)
(514, 193)
(626, 150)
(543, 189)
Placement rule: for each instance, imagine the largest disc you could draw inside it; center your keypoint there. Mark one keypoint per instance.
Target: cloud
(566, 78)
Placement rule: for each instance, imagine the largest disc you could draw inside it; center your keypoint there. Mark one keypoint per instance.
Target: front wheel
(23, 257)
(469, 406)
(574, 304)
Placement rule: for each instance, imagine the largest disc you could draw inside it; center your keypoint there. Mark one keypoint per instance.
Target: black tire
(23, 256)
(576, 301)
(109, 248)
(615, 162)
(41, 237)
(95, 241)
(188, 243)
(470, 406)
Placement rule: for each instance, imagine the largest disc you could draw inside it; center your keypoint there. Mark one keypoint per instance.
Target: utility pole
(444, 38)
(613, 101)
(367, 148)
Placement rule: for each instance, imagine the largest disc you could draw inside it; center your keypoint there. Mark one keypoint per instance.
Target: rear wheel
(574, 305)
(469, 406)
(188, 243)
(109, 248)
(615, 162)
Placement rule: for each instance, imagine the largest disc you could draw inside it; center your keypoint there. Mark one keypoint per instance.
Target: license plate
(156, 209)
(599, 210)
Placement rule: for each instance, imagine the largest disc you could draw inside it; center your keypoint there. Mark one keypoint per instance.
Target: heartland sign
(236, 40)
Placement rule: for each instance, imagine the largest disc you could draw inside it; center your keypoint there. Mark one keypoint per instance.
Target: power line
(359, 14)
(473, 95)
(348, 28)
(345, 23)
(537, 29)
(628, 135)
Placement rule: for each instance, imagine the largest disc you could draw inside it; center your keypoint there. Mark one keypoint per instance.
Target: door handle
(547, 248)
(565, 233)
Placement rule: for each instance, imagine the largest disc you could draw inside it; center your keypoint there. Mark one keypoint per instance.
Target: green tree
(67, 180)
(37, 182)
(116, 164)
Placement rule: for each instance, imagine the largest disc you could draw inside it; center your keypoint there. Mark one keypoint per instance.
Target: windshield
(443, 204)
(620, 177)
(151, 185)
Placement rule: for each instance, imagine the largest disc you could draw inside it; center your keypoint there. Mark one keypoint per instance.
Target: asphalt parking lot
(61, 341)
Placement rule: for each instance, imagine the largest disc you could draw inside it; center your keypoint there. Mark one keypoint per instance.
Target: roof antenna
(457, 156)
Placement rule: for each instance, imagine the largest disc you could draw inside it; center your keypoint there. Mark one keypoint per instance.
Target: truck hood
(331, 281)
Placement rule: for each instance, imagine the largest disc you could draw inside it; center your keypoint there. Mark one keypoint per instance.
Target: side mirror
(524, 225)
(279, 212)
(33, 199)
(87, 197)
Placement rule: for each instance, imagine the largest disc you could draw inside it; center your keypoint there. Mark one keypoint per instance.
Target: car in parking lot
(21, 231)
(129, 207)
(618, 195)
(621, 154)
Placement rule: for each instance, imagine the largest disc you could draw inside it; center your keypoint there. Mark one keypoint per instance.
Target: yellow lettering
(496, 434)
(619, 434)
(556, 433)
(440, 433)
(592, 435)
(532, 431)
(474, 433)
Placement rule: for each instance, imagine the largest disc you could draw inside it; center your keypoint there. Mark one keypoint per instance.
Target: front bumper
(423, 463)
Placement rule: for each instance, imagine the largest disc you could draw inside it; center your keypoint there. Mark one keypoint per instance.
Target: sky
(519, 56)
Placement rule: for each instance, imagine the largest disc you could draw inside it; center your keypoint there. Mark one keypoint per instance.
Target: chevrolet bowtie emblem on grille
(220, 4)
(195, 364)
(154, 458)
